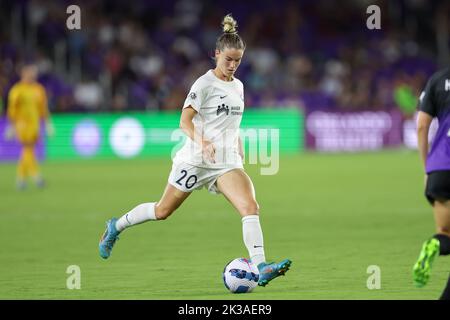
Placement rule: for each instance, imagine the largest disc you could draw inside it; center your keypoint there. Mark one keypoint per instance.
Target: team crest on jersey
(193, 95)
(223, 109)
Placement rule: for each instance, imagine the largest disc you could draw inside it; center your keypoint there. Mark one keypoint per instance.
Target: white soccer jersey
(219, 105)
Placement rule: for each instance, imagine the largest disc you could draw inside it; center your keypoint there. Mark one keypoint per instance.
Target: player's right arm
(423, 127)
(186, 124)
(12, 108)
(191, 107)
(427, 111)
(11, 112)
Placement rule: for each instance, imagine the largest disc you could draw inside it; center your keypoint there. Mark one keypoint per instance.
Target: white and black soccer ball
(240, 276)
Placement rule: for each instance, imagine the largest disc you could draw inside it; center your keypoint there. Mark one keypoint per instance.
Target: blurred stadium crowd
(144, 55)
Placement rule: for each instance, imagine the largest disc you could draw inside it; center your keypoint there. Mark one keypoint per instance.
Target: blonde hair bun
(229, 24)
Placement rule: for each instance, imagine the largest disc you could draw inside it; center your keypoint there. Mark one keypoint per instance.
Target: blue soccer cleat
(108, 239)
(269, 271)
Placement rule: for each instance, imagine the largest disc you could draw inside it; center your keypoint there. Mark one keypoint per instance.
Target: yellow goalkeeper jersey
(27, 105)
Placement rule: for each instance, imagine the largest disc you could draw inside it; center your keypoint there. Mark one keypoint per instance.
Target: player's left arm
(241, 148)
(45, 113)
(240, 145)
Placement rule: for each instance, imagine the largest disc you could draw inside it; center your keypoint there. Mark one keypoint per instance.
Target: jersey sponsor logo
(223, 109)
(193, 95)
(236, 111)
(221, 97)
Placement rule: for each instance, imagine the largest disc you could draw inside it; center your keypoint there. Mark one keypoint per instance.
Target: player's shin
(253, 238)
(32, 163)
(21, 170)
(139, 214)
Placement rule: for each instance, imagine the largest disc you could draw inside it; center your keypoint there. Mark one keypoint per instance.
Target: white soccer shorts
(187, 178)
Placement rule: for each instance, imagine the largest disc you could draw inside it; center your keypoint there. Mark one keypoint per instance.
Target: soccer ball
(240, 276)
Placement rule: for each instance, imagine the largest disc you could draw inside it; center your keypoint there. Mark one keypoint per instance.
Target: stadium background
(312, 69)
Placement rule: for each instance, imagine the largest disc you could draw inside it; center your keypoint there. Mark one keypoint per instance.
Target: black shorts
(438, 186)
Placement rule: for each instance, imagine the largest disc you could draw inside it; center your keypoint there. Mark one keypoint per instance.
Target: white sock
(253, 238)
(139, 214)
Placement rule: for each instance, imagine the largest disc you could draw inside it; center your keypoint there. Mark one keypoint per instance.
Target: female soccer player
(27, 106)
(435, 102)
(211, 157)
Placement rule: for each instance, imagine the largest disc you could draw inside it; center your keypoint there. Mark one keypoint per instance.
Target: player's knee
(249, 208)
(162, 213)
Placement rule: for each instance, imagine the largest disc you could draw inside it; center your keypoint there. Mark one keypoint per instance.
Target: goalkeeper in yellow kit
(27, 106)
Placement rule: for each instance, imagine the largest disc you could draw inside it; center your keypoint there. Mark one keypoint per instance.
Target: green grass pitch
(333, 215)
